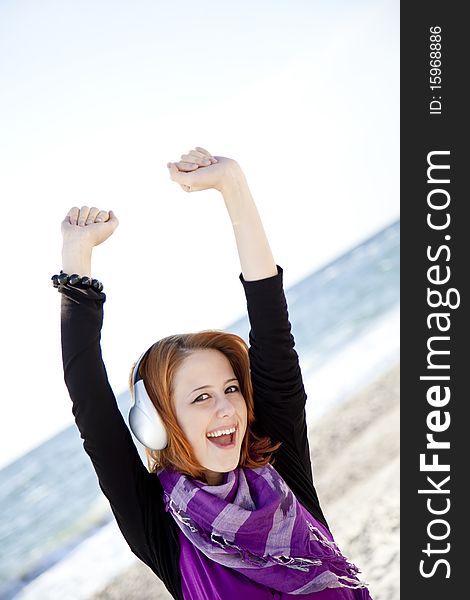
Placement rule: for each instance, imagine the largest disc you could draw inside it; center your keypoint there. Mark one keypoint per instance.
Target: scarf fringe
(357, 584)
(181, 516)
(245, 555)
(301, 564)
(319, 537)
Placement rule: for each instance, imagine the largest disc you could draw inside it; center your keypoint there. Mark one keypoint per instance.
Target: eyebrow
(206, 386)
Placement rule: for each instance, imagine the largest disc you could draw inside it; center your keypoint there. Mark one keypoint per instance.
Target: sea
(58, 538)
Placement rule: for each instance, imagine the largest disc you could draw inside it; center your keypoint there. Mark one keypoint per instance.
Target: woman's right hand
(88, 227)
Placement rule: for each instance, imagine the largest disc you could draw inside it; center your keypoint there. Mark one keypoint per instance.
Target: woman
(227, 508)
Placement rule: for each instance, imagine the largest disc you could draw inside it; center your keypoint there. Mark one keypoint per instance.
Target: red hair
(158, 369)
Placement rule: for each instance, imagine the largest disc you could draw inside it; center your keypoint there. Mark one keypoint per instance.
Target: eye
(234, 387)
(200, 398)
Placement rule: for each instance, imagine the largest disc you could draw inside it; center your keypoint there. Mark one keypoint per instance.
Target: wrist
(233, 180)
(76, 258)
(239, 201)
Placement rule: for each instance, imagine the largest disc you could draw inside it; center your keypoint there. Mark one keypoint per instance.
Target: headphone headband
(135, 374)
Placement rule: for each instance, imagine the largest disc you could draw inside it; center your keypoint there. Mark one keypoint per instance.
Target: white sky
(96, 97)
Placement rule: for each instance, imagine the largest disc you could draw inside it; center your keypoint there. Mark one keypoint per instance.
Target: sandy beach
(355, 458)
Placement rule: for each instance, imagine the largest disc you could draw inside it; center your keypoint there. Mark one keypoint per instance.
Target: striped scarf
(253, 523)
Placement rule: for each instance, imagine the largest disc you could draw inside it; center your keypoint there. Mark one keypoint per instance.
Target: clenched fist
(89, 226)
(199, 170)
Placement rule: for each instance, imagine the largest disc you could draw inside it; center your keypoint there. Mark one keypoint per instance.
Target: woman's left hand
(199, 170)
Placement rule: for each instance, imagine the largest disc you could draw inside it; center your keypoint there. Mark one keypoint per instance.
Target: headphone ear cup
(144, 420)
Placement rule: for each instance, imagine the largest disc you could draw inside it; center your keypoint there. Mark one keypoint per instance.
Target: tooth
(222, 432)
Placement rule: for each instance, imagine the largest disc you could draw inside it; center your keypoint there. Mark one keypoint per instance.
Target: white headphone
(144, 420)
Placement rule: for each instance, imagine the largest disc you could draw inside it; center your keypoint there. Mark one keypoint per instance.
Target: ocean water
(58, 539)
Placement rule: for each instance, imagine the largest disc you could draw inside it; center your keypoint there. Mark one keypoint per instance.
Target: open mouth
(224, 440)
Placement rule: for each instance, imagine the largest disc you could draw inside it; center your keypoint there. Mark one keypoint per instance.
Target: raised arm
(275, 366)
(278, 390)
(134, 494)
(225, 175)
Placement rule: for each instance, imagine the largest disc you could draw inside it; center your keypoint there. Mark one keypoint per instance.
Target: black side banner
(435, 430)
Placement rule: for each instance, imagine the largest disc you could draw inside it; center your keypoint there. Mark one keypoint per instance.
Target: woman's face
(211, 411)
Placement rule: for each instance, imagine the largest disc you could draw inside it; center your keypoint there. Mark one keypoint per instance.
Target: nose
(224, 407)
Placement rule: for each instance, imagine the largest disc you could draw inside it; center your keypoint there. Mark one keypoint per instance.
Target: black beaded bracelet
(76, 281)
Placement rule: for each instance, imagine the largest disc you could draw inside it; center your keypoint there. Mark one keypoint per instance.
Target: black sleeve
(135, 495)
(278, 389)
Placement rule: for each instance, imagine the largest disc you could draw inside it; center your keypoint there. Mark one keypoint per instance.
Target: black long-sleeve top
(135, 495)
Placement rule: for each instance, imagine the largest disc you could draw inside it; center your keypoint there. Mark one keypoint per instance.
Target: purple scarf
(254, 524)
